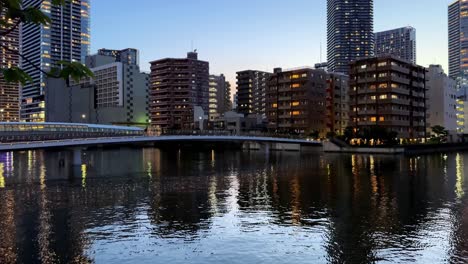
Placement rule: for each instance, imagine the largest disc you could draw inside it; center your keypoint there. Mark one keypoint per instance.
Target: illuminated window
(295, 103)
(296, 113)
(275, 105)
(373, 119)
(381, 119)
(295, 76)
(295, 85)
(383, 96)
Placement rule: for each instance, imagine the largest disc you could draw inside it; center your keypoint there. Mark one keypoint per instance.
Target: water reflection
(208, 206)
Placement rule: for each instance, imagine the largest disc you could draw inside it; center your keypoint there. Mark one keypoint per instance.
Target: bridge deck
(145, 139)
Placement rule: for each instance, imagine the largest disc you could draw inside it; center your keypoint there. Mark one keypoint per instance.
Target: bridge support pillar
(77, 161)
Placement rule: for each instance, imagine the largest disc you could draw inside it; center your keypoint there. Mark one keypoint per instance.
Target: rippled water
(182, 206)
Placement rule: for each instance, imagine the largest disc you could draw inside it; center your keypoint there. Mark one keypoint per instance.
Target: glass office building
(67, 38)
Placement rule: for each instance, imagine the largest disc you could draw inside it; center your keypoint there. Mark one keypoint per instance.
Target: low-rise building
(296, 101)
(237, 123)
(390, 93)
(117, 94)
(441, 99)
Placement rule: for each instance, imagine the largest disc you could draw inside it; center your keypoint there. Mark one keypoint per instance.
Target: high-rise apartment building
(337, 113)
(220, 95)
(390, 93)
(400, 42)
(251, 92)
(458, 43)
(177, 86)
(441, 99)
(350, 32)
(296, 101)
(9, 92)
(117, 94)
(67, 38)
(458, 55)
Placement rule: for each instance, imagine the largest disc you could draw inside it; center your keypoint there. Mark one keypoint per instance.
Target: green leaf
(74, 70)
(34, 15)
(16, 75)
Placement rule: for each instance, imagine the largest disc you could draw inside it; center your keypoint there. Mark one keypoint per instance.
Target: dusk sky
(237, 35)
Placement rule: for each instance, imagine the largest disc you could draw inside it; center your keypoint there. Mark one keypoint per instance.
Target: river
(149, 205)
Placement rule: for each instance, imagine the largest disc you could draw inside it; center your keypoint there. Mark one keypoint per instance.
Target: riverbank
(332, 147)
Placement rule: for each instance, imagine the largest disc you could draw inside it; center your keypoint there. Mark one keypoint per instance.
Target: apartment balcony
(285, 125)
(284, 98)
(368, 69)
(400, 69)
(366, 80)
(402, 80)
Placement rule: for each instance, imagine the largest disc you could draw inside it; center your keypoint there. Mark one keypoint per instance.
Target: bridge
(78, 144)
(267, 143)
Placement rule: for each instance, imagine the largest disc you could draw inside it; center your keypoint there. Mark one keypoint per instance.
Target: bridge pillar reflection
(77, 160)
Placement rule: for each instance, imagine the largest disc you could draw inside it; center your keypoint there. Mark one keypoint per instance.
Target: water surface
(214, 206)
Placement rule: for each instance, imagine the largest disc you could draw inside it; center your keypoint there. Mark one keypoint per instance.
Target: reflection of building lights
(84, 174)
(2, 177)
(460, 176)
(149, 169)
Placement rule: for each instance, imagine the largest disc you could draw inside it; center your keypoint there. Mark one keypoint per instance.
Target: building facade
(350, 32)
(441, 99)
(337, 114)
(296, 101)
(251, 92)
(458, 45)
(176, 87)
(67, 38)
(458, 56)
(127, 56)
(400, 42)
(9, 92)
(220, 93)
(117, 95)
(390, 93)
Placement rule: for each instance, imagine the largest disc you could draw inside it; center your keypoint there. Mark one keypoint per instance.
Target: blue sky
(235, 35)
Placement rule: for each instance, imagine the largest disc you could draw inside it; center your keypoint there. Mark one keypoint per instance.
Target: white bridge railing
(145, 139)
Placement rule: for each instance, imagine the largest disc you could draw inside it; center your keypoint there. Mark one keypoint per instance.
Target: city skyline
(231, 44)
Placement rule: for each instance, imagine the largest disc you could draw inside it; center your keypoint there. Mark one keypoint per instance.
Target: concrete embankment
(409, 149)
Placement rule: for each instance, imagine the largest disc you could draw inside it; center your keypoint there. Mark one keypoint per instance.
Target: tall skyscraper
(177, 88)
(251, 92)
(67, 38)
(350, 32)
(458, 45)
(400, 42)
(9, 92)
(458, 55)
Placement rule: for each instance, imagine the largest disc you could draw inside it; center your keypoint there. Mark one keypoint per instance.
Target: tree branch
(48, 74)
(15, 26)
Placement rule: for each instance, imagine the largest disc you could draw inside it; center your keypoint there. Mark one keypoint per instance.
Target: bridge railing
(227, 133)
